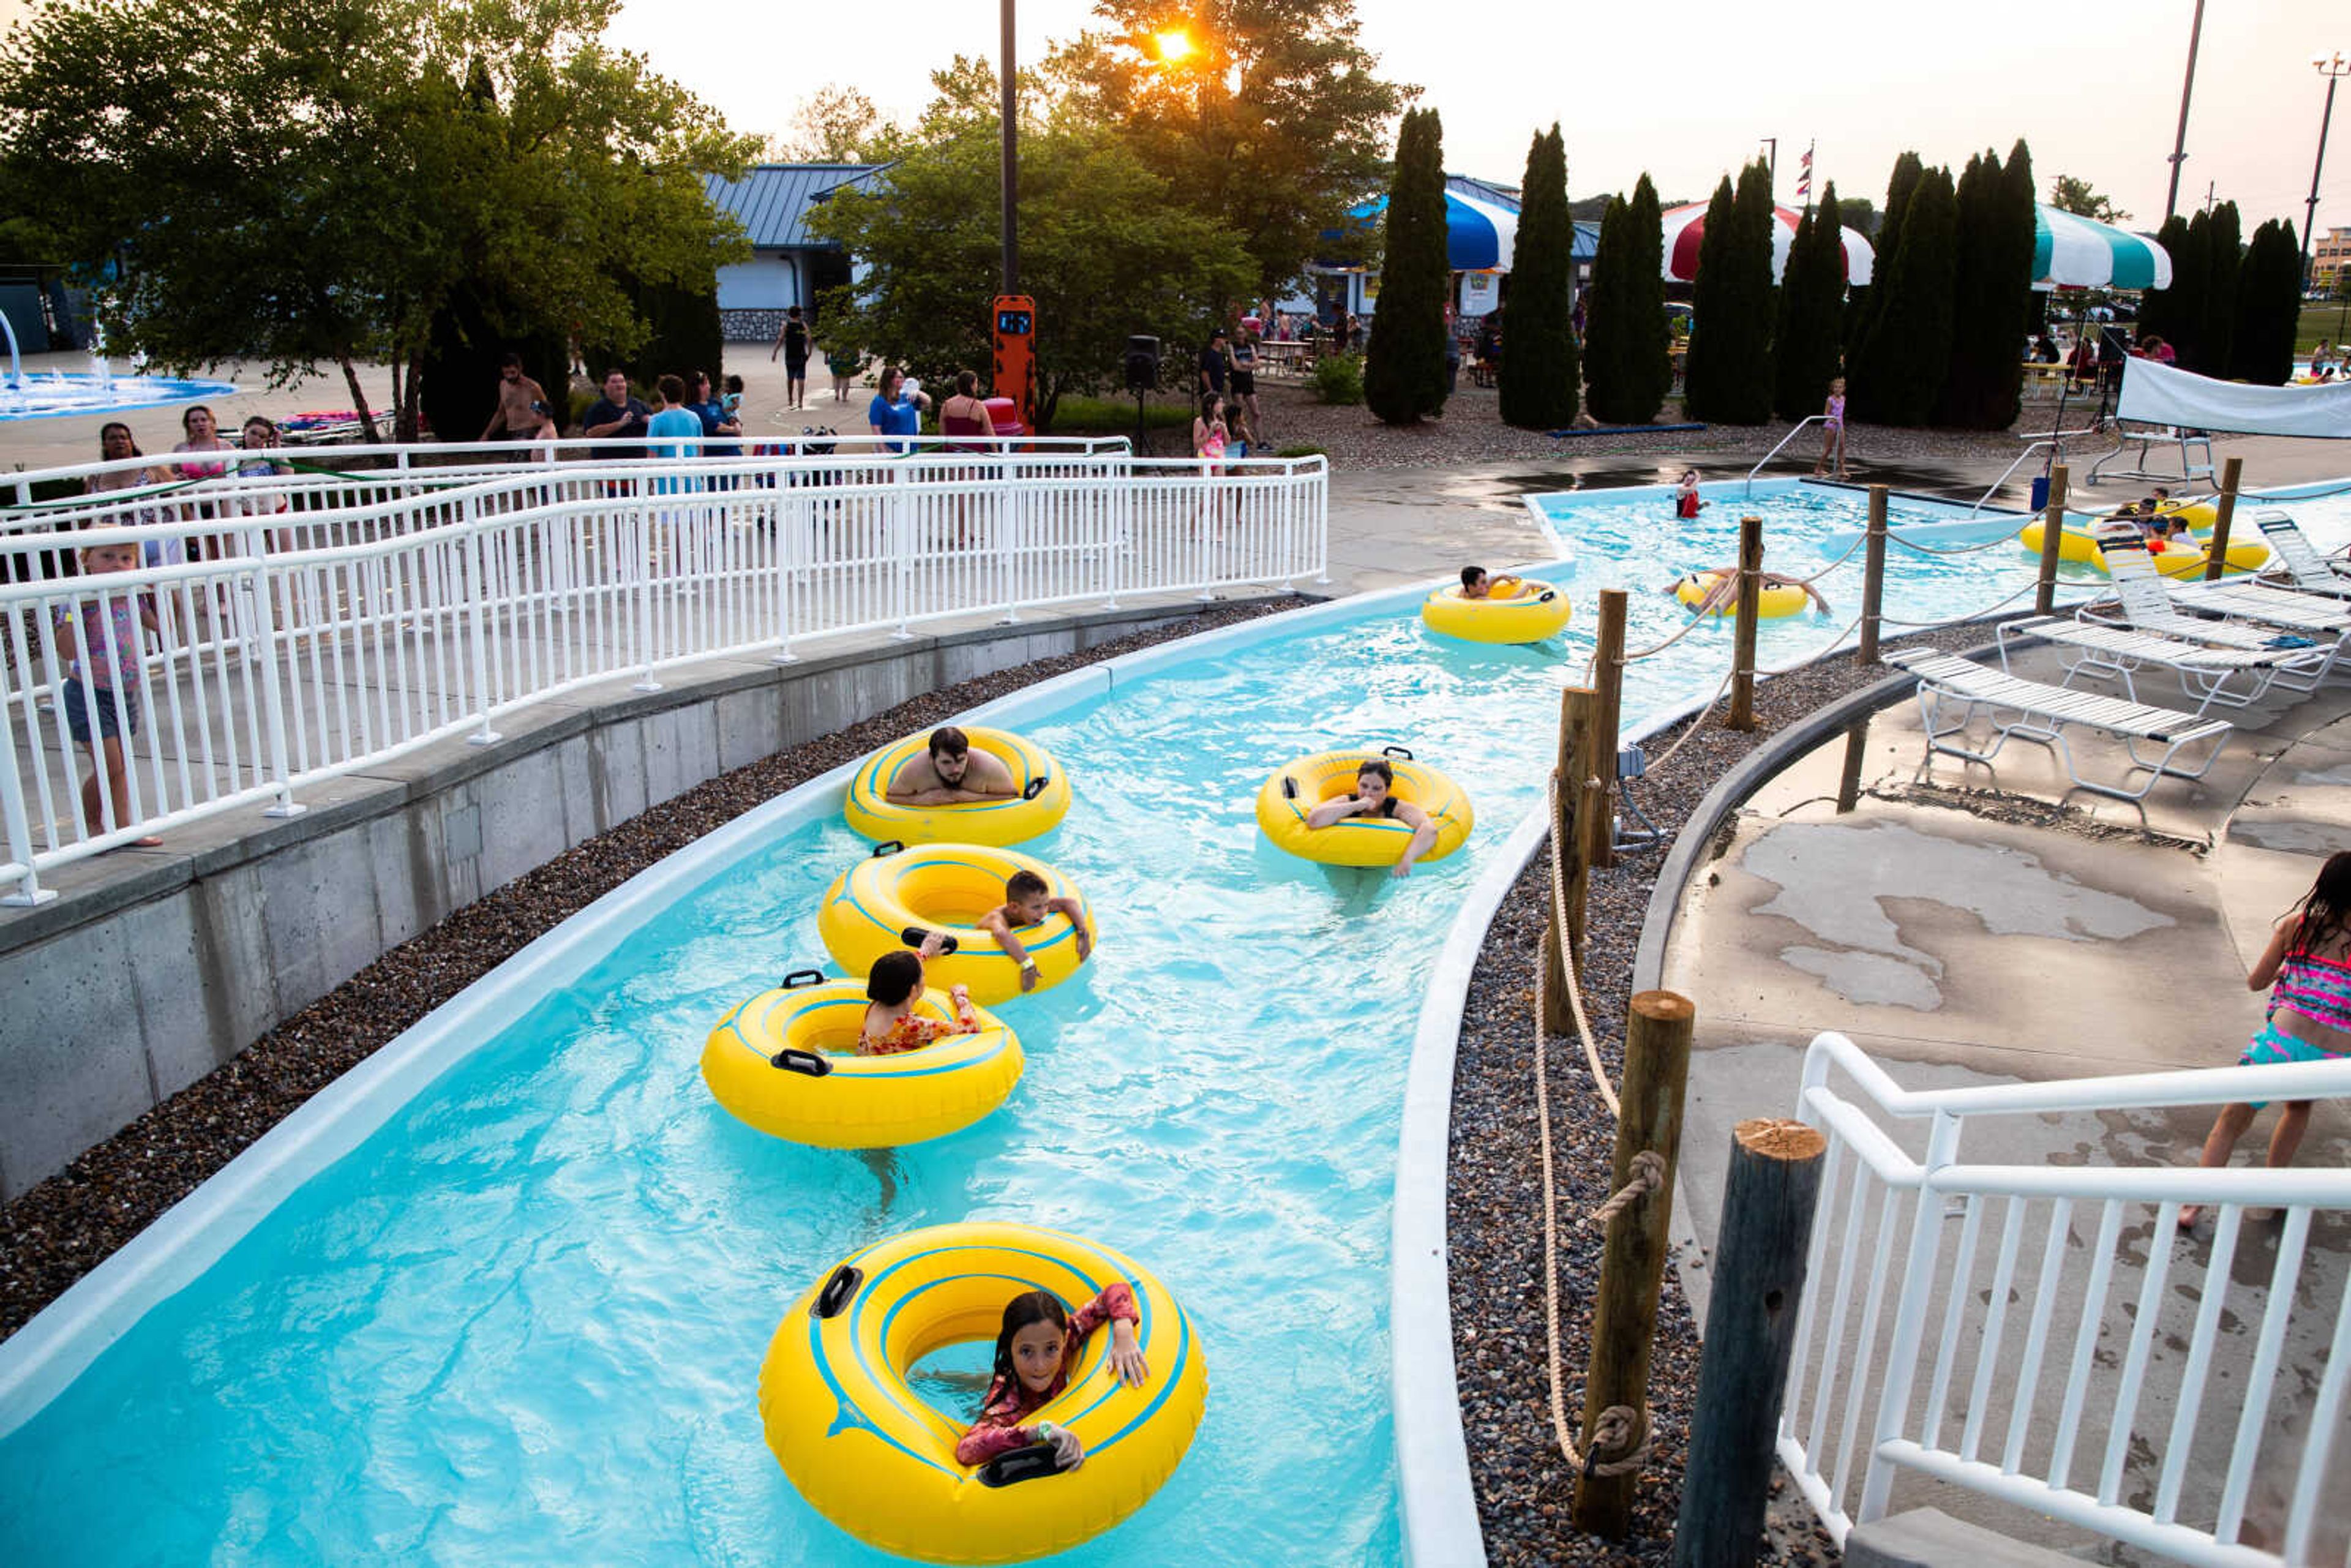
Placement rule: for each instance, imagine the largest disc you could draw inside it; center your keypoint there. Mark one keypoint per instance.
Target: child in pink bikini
(1036, 1350)
(2306, 969)
(893, 987)
(1832, 430)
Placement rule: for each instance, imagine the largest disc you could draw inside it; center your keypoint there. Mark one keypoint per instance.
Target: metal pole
(2333, 71)
(1007, 78)
(1774, 143)
(2180, 143)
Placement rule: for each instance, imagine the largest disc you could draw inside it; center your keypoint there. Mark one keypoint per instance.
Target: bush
(1299, 452)
(1339, 377)
(1112, 414)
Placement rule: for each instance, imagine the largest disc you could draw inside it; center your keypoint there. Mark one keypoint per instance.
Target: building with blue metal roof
(789, 265)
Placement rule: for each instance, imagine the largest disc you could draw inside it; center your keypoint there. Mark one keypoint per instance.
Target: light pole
(1006, 81)
(1774, 143)
(2180, 143)
(2334, 70)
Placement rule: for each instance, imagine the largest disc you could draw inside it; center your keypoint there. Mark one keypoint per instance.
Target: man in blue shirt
(897, 409)
(680, 431)
(616, 413)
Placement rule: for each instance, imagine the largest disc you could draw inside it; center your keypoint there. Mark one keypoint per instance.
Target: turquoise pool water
(522, 1319)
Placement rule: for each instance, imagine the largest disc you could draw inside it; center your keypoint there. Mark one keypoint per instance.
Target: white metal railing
(2164, 1423)
(1794, 431)
(291, 646)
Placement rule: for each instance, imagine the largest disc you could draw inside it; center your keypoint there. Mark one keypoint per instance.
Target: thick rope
(1958, 620)
(1958, 550)
(1691, 725)
(1846, 555)
(1648, 1176)
(1692, 624)
(1826, 650)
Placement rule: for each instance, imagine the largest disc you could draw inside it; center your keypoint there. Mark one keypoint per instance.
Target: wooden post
(1568, 826)
(1608, 690)
(1750, 1326)
(2224, 512)
(1856, 742)
(1632, 1262)
(2053, 540)
(1751, 594)
(1873, 577)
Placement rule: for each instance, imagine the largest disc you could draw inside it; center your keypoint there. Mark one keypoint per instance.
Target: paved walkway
(1962, 937)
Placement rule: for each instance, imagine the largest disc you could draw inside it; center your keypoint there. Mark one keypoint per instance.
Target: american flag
(1804, 174)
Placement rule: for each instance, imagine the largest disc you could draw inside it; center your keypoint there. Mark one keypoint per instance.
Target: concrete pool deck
(1962, 934)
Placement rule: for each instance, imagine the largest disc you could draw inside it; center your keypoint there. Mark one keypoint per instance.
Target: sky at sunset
(1688, 91)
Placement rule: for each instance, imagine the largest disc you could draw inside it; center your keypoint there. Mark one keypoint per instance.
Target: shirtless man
(1724, 592)
(950, 773)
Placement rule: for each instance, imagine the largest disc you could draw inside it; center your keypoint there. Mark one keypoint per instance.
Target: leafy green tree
(1541, 379)
(2068, 194)
(1728, 380)
(1806, 353)
(1274, 123)
(1628, 345)
(1860, 318)
(1403, 363)
(835, 124)
(1908, 353)
(2224, 242)
(1102, 249)
(2269, 306)
(321, 191)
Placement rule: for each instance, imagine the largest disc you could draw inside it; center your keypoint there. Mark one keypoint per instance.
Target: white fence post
(900, 527)
(29, 890)
(1910, 1315)
(254, 584)
(478, 602)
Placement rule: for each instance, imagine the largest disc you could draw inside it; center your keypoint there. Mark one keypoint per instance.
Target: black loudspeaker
(1142, 362)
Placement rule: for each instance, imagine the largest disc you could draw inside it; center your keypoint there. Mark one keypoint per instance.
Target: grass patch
(1108, 416)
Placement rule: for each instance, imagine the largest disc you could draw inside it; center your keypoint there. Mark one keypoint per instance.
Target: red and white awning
(1685, 226)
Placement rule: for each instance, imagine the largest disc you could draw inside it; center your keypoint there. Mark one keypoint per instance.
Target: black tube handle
(807, 1064)
(1397, 751)
(799, 977)
(913, 937)
(1546, 596)
(1036, 786)
(837, 1291)
(1032, 1461)
(888, 847)
(1289, 788)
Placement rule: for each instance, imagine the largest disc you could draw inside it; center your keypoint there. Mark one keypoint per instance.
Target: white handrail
(294, 645)
(2058, 455)
(1792, 430)
(1880, 1204)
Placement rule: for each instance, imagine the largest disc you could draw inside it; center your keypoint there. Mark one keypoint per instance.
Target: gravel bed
(1472, 431)
(66, 1225)
(1494, 1187)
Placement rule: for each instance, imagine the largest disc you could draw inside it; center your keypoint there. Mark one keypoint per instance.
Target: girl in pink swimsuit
(1035, 1350)
(2306, 969)
(1832, 430)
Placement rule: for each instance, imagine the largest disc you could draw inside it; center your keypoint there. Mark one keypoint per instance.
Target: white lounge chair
(2043, 712)
(2305, 568)
(2119, 653)
(2254, 619)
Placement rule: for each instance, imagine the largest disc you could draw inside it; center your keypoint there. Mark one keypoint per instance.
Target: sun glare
(1174, 44)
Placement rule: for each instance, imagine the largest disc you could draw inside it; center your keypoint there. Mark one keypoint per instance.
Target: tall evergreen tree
(1806, 352)
(2225, 242)
(1869, 302)
(2269, 306)
(1604, 318)
(1908, 351)
(1712, 296)
(2157, 308)
(1735, 310)
(2191, 273)
(1960, 401)
(1403, 365)
(1648, 340)
(2015, 307)
(1541, 379)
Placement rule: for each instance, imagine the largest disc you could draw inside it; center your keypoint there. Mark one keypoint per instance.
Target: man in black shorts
(1245, 380)
(792, 342)
(1212, 365)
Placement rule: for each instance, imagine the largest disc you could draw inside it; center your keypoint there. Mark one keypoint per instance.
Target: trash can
(2040, 493)
(1005, 415)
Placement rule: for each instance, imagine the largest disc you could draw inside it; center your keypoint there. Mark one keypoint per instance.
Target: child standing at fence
(97, 643)
(2306, 969)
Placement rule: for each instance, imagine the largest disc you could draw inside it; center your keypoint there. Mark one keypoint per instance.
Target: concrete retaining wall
(154, 970)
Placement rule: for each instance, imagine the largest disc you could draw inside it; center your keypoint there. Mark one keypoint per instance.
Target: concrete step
(1929, 1538)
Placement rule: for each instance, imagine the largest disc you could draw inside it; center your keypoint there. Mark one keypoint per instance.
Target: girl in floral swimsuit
(1035, 1350)
(2306, 969)
(892, 990)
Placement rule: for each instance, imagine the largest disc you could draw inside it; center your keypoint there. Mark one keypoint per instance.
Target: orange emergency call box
(1015, 375)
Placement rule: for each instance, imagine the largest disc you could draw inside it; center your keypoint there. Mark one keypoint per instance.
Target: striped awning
(2073, 252)
(1478, 235)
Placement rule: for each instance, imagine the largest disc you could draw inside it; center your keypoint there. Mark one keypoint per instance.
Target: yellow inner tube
(1770, 603)
(785, 1062)
(1296, 788)
(1528, 612)
(871, 907)
(1044, 801)
(872, 1457)
(2178, 559)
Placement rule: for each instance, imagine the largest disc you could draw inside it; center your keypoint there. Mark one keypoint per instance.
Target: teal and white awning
(2073, 252)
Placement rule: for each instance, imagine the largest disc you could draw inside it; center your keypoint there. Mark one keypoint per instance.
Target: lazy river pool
(514, 1309)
